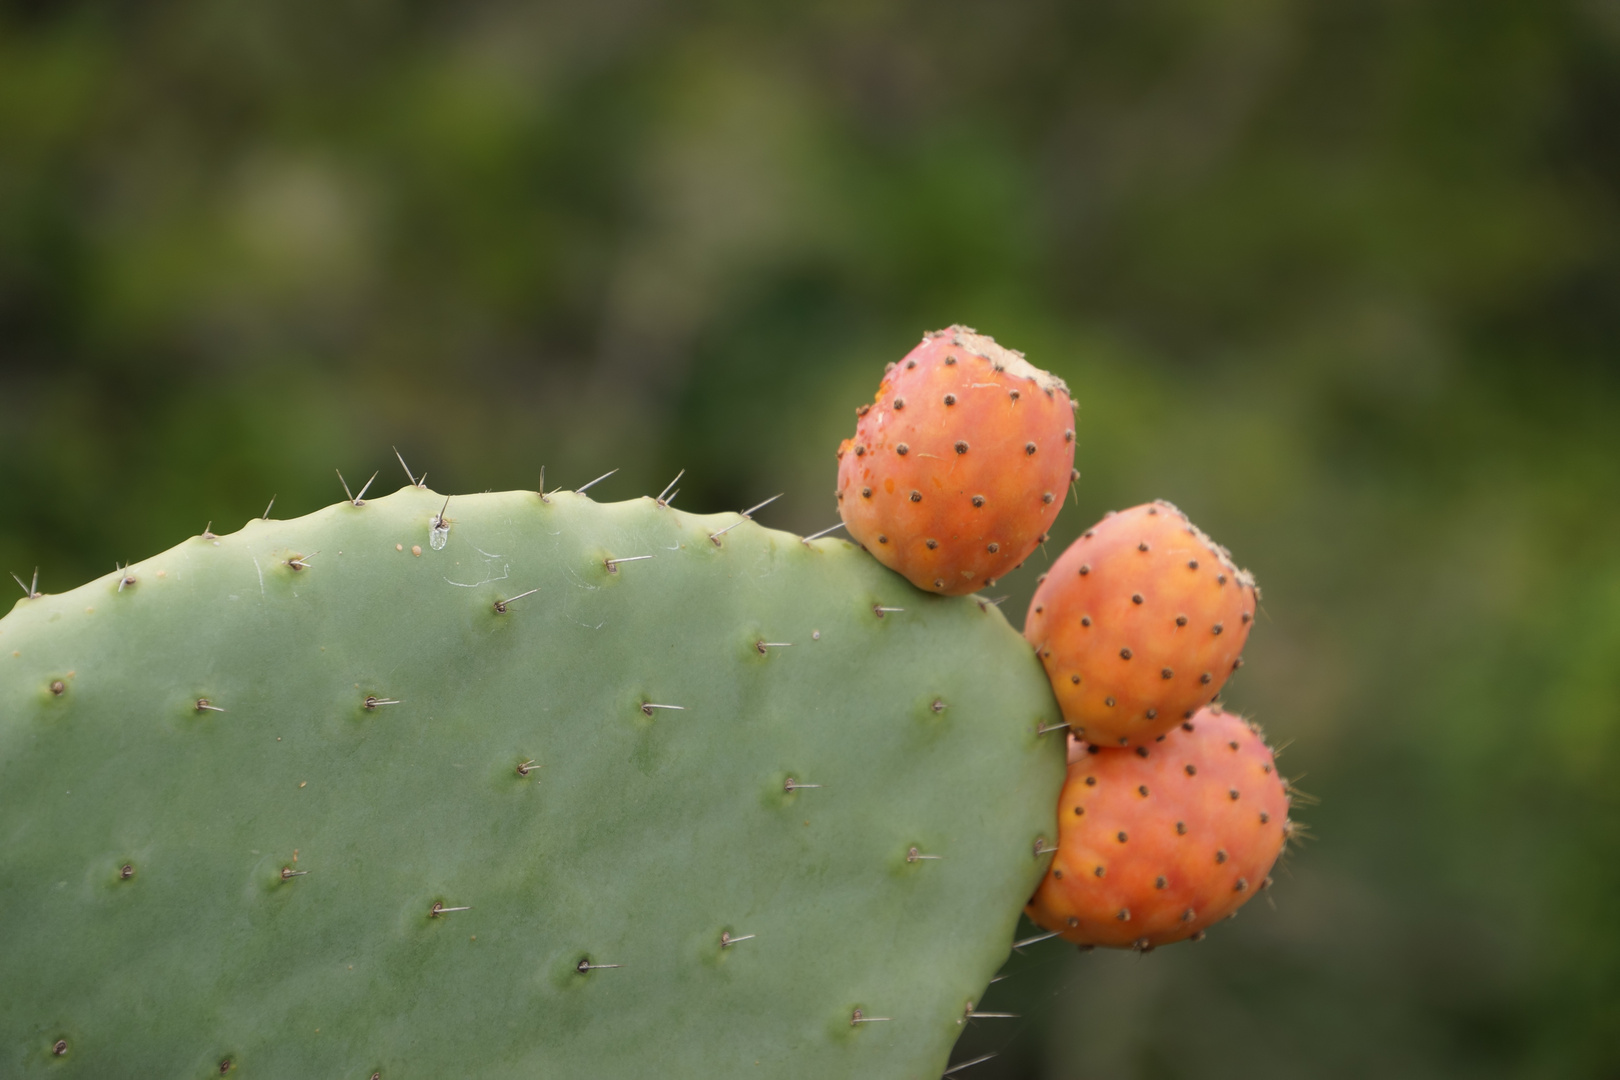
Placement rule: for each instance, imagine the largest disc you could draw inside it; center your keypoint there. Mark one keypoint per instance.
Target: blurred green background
(1340, 278)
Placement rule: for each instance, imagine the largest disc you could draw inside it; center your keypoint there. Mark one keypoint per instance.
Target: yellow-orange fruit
(1156, 843)
(1139, 623)
(959, 466)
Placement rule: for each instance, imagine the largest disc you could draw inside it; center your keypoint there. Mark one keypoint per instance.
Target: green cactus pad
(302, 801)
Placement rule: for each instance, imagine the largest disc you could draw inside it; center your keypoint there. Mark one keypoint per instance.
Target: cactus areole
(520, 786)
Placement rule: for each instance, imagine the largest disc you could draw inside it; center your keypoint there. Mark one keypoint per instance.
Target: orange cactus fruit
(1139, 623)
(1157, 843)
(959, 466)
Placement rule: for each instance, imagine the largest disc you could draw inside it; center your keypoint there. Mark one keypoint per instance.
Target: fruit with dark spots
(967, 452)
(1194, 853)
(1151, 614)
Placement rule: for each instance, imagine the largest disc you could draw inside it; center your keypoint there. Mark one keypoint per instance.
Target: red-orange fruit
(1139, 624)
(959, 466)
(1157, 843)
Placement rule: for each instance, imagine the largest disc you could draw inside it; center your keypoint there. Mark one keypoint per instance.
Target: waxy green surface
(633, 839)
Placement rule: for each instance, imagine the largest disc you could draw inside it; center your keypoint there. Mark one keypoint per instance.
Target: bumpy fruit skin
(959, 466)
(1155, 844)
(1139, 623)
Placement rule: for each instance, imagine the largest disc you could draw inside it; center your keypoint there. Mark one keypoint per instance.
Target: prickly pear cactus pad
(535, 788)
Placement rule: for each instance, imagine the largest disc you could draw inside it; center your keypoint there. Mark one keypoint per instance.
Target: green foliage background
(1341, 278)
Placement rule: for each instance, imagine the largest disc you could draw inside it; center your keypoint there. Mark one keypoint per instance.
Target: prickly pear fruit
(959, 466)
(1139, 623)
(1156, 843)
